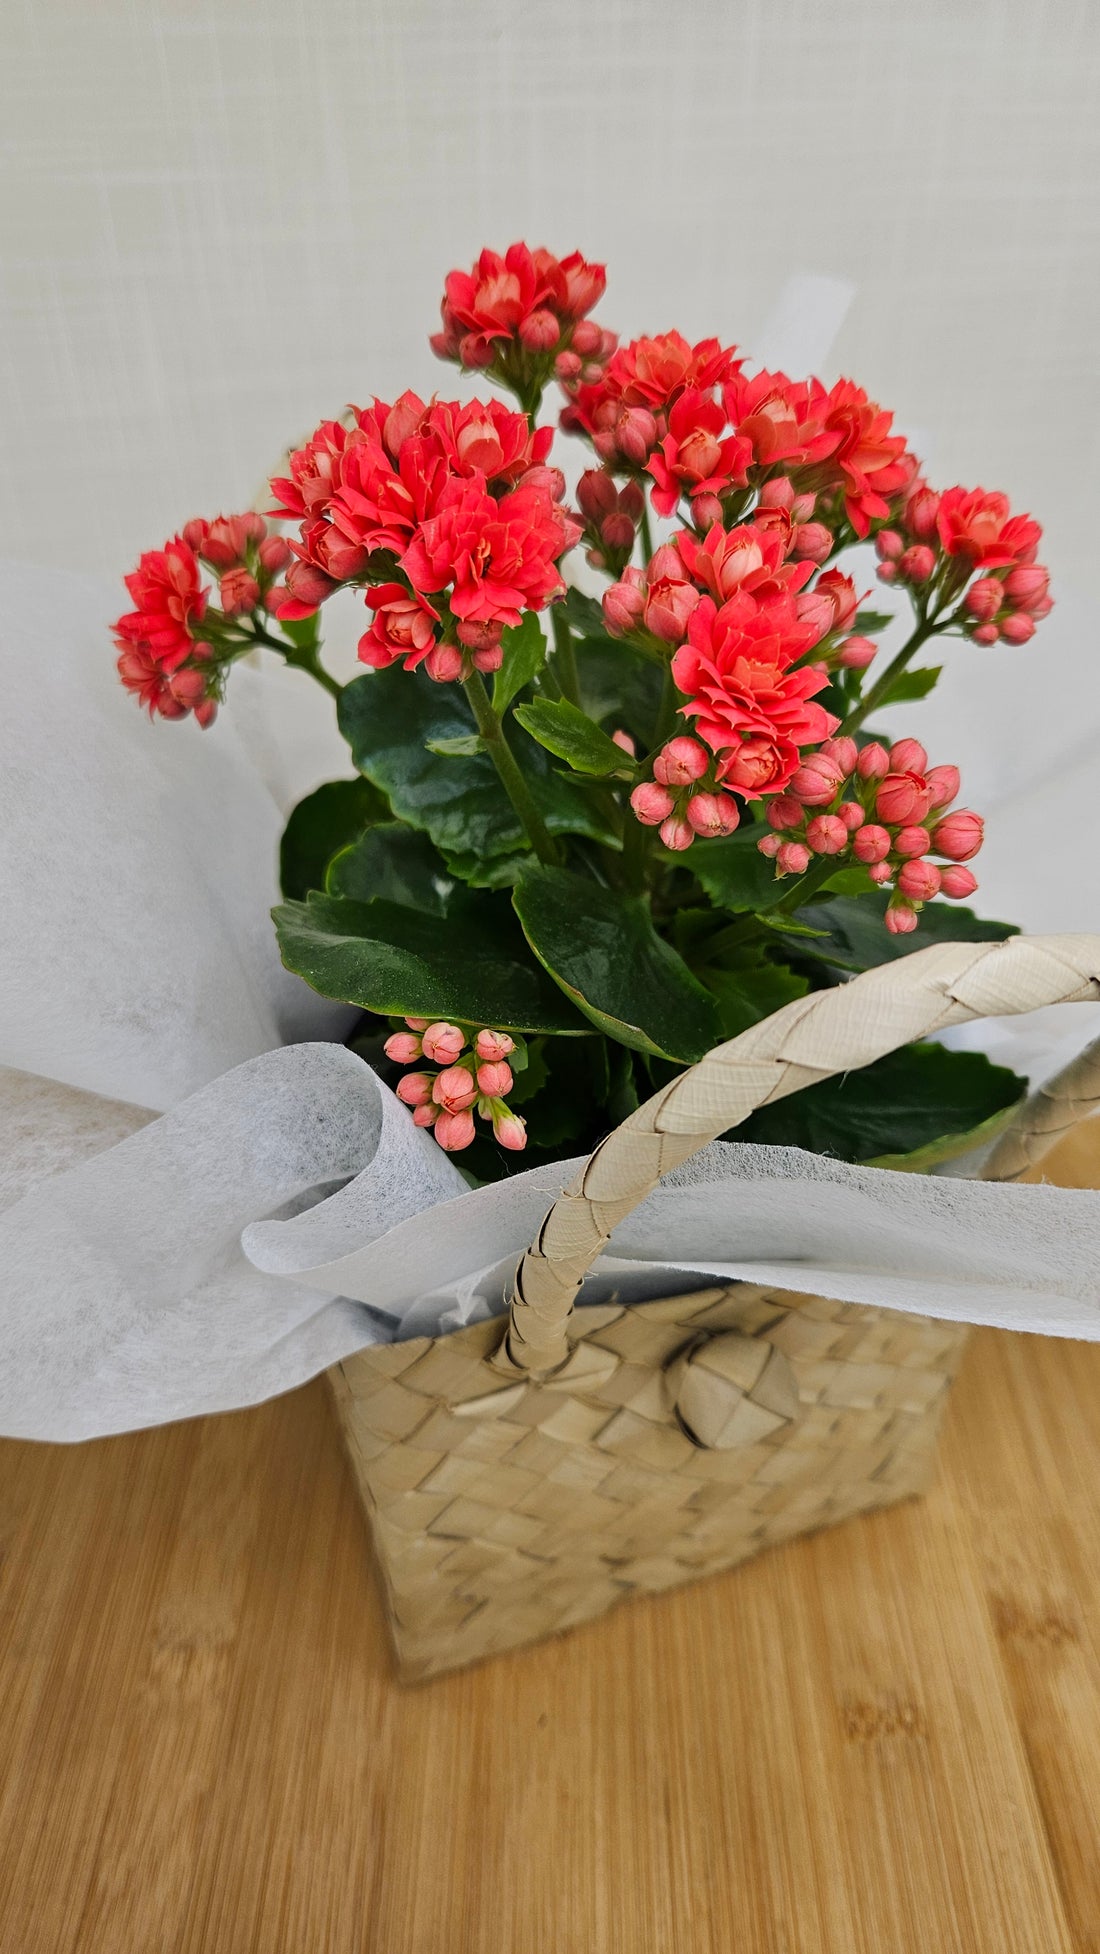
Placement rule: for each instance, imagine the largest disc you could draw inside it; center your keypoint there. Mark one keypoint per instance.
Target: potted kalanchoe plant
(588, 840)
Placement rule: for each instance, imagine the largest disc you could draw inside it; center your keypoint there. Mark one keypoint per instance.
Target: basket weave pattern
(503, 1514)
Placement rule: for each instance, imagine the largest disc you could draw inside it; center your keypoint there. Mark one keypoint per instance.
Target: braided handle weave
(811, 1039)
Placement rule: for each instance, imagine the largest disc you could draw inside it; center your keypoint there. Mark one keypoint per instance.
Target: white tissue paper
(273, 1219)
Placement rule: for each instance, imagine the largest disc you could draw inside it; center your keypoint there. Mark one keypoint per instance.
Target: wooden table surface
(883, 1740)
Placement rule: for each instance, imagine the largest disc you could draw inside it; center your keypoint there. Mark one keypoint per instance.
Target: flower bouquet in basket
(587, 840)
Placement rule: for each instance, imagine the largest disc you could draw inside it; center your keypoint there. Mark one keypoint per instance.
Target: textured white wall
(224, 220)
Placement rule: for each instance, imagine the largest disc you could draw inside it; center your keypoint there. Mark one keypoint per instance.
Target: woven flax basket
(525, 1474)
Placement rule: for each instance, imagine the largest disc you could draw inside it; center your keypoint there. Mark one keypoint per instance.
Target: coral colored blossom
(696, 457)
(871, 463)
(782, 420)
(748, 705)
(171, 602)
(499, 557)
(976, 523)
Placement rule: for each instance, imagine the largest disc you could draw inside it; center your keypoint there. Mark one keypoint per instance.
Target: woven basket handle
(811, 1039)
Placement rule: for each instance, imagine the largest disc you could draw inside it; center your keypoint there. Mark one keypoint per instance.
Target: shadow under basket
(679, 1438)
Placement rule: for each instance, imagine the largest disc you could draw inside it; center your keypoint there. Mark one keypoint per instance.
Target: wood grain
(884, 1740)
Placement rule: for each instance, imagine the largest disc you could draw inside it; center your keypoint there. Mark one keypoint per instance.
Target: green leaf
(911, 685)
(918, 1105)
(394, 862)
(322, 823)
(391, 718)
(866, 623)
(856, 936)
(735, 874)
(304, 632)
(524, 655)
(751, 989)
(602, 949)
(565, 730)
(474, 968)
(620, 688)
(585, 614)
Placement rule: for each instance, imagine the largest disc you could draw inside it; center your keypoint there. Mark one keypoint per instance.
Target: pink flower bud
(921, 511)
(1041, 607)
(623, 604)
(851, 814)
(239, 592)
(652, 804)
(888, 544)
(770, 845)
(792, 858)
(843, 751)
(418, 1024)
(900, 919)
(783, 811)
(857, 653)
(873, 762)
(668, 608)
(887, 573)
(1017, 628)
(597, 495)
(677, 833)
(187, 687)
(454, 1089)
(444, 663)
(637, 435)
(908, 756)
(811, 541)
(827, 835)
(492, 1046)
(622, 739)
(442, 1042)
(902, 797)
(957, 882)
(539, 331)
(426, 1115)
(494, 1079)
(454, 1130)
(415, 1089)
(870, 844)
(985, 634)
(586, 337)
(489, 660)
(308, 585)
(567, 367)
(917, 563)
(680, 761)
(944, 782)
(480, 635)
(909, 842)
(275, 598)
(617, 531)
(509, 1129)
(706, 510)
(476, 352)
(918, 879)
(959, 835)
(1026, 584)
(194, 533)
(777, 494)
(817, 782)
(879, 871)
(275, 554)
(984, 599)
(713, 814)
(403, 1048)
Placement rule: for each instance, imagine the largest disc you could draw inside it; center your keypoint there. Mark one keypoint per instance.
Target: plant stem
(491, 730)
(647, 533)
(875, 694)
(301, 658)
(747, 927)
(565, 660)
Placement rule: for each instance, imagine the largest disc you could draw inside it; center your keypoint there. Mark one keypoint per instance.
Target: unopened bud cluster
(940, 541)
(466, 1082)
(886, 809)
(682, 799)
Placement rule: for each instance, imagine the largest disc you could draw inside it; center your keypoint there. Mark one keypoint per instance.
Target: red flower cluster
(475, 1080)
(887, 810)
(691, 419)
(173, 647)
(524, 313)
(940, 540)
(457, 499)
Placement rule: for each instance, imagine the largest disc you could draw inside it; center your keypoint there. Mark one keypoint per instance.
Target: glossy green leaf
(602, 949)
(923, 1101)
(909, 686)
(472, 968)
(388, 719)
(855, 936)
(325, 821)
(524, 655)
(585, 614)
(394, 862)
(751, 988)
(867, 624)
(565, 730)
(462, 747)
(619, 688)
(735, 874)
